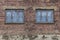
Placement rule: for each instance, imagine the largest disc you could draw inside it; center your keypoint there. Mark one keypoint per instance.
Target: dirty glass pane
(8, 17)
(20, 17)
(50, 16)
(14, 16)
(43, 19)
(38, 16)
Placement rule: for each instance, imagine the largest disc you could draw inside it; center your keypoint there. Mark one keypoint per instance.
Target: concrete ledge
(14, 7)
(47, 7)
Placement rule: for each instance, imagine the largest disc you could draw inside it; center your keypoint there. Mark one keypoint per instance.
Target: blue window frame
(14, 16)
(44, 16)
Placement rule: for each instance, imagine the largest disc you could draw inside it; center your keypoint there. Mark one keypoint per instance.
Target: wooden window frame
(47, 15)
(11, 16)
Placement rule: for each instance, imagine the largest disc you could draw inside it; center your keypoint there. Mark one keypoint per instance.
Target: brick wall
(29, 7)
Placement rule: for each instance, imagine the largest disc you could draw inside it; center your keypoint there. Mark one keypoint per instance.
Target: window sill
(44, 22)
(14, 23)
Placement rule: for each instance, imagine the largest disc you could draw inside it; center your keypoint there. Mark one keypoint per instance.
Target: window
(44, 16)
(14, 16)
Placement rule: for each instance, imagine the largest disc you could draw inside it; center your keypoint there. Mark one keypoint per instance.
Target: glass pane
(14, 16)
(38, 16)
(50, 16)
(21, 17)
(44, 16)
(8, 17)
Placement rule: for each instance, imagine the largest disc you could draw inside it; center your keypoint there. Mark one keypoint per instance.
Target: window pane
(44, 14)
(50, 16)
(20, 17)
(14, 16)
(38, 15)
(8, 17)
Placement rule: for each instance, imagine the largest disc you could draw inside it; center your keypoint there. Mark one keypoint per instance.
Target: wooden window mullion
(47, 17)
(11, 16)
(41, 17)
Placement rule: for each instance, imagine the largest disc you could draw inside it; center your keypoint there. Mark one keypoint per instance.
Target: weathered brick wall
(29, 25)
